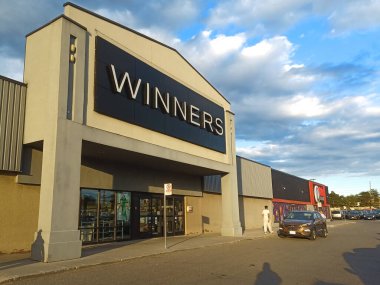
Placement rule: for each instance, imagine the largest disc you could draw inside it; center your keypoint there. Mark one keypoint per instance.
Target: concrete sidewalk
(15, 266)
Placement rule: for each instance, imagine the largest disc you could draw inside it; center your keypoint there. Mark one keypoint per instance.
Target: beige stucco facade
(70, 145)
(251, 212)
(19, 214)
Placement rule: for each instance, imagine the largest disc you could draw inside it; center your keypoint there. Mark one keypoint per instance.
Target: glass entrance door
(150, 216)
(175, 215)
(157, 216)
(145, 218)
(179, 218)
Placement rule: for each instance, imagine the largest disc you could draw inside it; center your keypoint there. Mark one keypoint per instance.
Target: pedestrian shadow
(364, 263)
(267, 276)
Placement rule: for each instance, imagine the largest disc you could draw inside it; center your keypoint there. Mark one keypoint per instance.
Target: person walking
(266, 220)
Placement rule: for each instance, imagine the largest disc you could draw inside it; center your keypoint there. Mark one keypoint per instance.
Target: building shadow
(240, 192)
(267, 276)
(205, 221)
(364, 263)
(16, 261)
(319, 282)
(98, 248)
(185, 240)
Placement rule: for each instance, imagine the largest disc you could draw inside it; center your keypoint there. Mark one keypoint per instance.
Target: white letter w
(118, 87)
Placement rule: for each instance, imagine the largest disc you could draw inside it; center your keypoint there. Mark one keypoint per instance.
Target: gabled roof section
(144, 36)
(55, 19)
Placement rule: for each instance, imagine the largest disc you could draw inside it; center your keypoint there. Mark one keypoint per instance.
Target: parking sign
(168, 189)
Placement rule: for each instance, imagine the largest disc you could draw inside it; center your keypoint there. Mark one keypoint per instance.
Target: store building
(255, 191)
(18, 202)
(110, 116)
(292, 193)
(104, 118)
(319, 198)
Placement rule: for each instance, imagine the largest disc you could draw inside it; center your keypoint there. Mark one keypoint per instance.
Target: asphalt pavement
(20, 265)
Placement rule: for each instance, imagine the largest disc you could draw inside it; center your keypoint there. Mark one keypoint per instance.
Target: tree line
(365, 199)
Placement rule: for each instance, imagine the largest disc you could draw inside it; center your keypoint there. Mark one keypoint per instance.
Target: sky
(302, 76)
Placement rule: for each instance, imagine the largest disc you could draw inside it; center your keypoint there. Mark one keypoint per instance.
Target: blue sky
(303, 77)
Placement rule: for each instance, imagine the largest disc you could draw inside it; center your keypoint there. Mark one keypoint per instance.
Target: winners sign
(130, 90)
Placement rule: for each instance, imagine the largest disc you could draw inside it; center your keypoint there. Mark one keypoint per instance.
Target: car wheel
(281, 236)
(313, 235)
(325, 233)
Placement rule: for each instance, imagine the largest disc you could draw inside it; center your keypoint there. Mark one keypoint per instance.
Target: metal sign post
(168, 190)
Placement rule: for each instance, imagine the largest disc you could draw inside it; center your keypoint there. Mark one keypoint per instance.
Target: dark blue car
(354, 215)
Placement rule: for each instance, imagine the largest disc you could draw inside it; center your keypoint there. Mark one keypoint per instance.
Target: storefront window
(98, 221)
(106, 215)
(123, 220)
(88, 215)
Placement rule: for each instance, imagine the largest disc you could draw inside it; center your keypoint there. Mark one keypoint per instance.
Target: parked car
(369, 215)
(306, 224)
(377, 213)
(354, 215)
(337, 215)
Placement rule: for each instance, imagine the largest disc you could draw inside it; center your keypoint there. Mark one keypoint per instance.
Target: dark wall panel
(289, 187)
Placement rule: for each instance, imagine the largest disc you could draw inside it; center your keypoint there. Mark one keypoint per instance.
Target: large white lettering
(167, 103)
(118, 87)
(164, 102)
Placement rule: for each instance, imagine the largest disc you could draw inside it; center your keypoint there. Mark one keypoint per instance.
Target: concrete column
(57, 237)
(231, 225)
(48, 75)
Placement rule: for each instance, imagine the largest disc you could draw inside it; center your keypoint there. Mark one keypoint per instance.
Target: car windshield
(300, 216)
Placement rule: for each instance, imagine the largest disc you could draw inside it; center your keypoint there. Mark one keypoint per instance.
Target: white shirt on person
(266, 214)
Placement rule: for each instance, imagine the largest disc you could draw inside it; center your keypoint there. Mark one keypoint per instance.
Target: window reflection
(123, 220)
(97, 219)
(106, 215)
(88, 215)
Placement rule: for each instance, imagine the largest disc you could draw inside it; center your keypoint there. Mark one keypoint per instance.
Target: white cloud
(12, 67)
(304, 107)
(223, 45)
